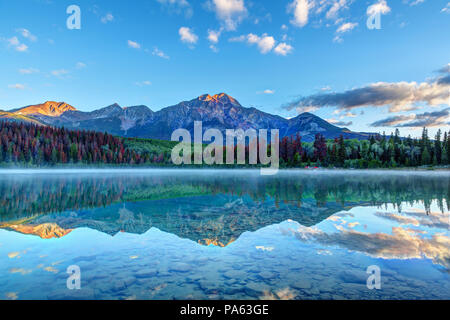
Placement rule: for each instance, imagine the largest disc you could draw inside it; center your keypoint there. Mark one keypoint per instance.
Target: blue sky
(283, 57)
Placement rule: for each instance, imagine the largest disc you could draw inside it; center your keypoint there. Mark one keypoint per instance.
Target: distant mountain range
(219, 111)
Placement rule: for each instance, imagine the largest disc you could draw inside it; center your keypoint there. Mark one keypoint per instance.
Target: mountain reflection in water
(203, 207)
(292, 227)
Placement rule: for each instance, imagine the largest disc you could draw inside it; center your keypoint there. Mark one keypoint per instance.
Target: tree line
(31, 144)
(24, 143)
(379, 151)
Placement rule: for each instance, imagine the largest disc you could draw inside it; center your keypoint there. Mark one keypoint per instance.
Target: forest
(379, 151)
(32, 145)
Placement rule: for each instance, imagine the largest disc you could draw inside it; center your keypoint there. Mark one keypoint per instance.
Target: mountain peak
(110, 110)
(115, 105)
(306, 116)
(205, 97)
(48, 108)
(219, 98)
(44, 231)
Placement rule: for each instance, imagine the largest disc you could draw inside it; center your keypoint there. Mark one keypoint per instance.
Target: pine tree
(342, 153)
(426, 158)
(448, 148)
(320, 148)
(438, 148)
(54, 156)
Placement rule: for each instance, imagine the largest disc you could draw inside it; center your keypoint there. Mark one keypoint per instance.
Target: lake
(224, 234)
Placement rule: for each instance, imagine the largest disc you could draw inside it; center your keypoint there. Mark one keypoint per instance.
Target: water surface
(201, 234)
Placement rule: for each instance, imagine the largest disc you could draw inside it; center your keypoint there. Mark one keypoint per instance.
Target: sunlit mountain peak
(48, 108)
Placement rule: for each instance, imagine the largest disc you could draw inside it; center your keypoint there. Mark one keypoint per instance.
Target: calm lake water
(161, 234)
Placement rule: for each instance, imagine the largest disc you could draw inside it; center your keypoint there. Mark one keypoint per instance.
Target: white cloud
(187, 35)
(27, 34)
(133, 44)
(159, 53)
(301, 110)
(60, 72)
(283, 49)
(107, 18)
(333, 12)
(338, 39)
(381, 7)
(22, 47)
(397, 96)
(18, 86)
(80, 65)
(300, 9)
(28, 70)
(413, 2)
(181, 3)
(348, 115)
(241, 38)
(446, 9)
(144, 83)
(14, 42)
(213, 35)
(265, 43)
(427, 119)
(178, 6)
(230, 12)
(267, 91)
(345, 27)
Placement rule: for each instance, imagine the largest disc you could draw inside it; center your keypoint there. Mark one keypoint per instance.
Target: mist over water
(178, 171)
(224, 234)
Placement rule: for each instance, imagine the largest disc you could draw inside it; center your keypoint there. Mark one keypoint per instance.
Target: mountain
(10, 116)
(44, 231)
(49, 108)
(308, 125)
(219, 111)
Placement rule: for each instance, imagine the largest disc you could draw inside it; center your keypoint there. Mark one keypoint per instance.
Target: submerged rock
(145, 273)
(180, 267)
(301, 284)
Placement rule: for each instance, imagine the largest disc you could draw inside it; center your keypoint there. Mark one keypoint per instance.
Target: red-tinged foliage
(320, 148)
(39, 145)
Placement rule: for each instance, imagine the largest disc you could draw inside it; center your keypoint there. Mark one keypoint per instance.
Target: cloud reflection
(403, 243)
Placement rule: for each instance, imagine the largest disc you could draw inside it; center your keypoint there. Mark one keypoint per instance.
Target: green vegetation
(32, 145)
(379, 151)
(154, 147)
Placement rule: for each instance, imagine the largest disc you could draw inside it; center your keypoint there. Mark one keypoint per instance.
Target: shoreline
(73, 170)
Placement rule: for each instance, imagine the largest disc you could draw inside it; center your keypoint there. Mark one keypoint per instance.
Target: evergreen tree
(448, 148)
(320, 148)
(426, 158)
(438, 148)
(342, 153)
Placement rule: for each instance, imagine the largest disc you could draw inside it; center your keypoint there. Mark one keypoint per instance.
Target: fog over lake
(224, 234)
